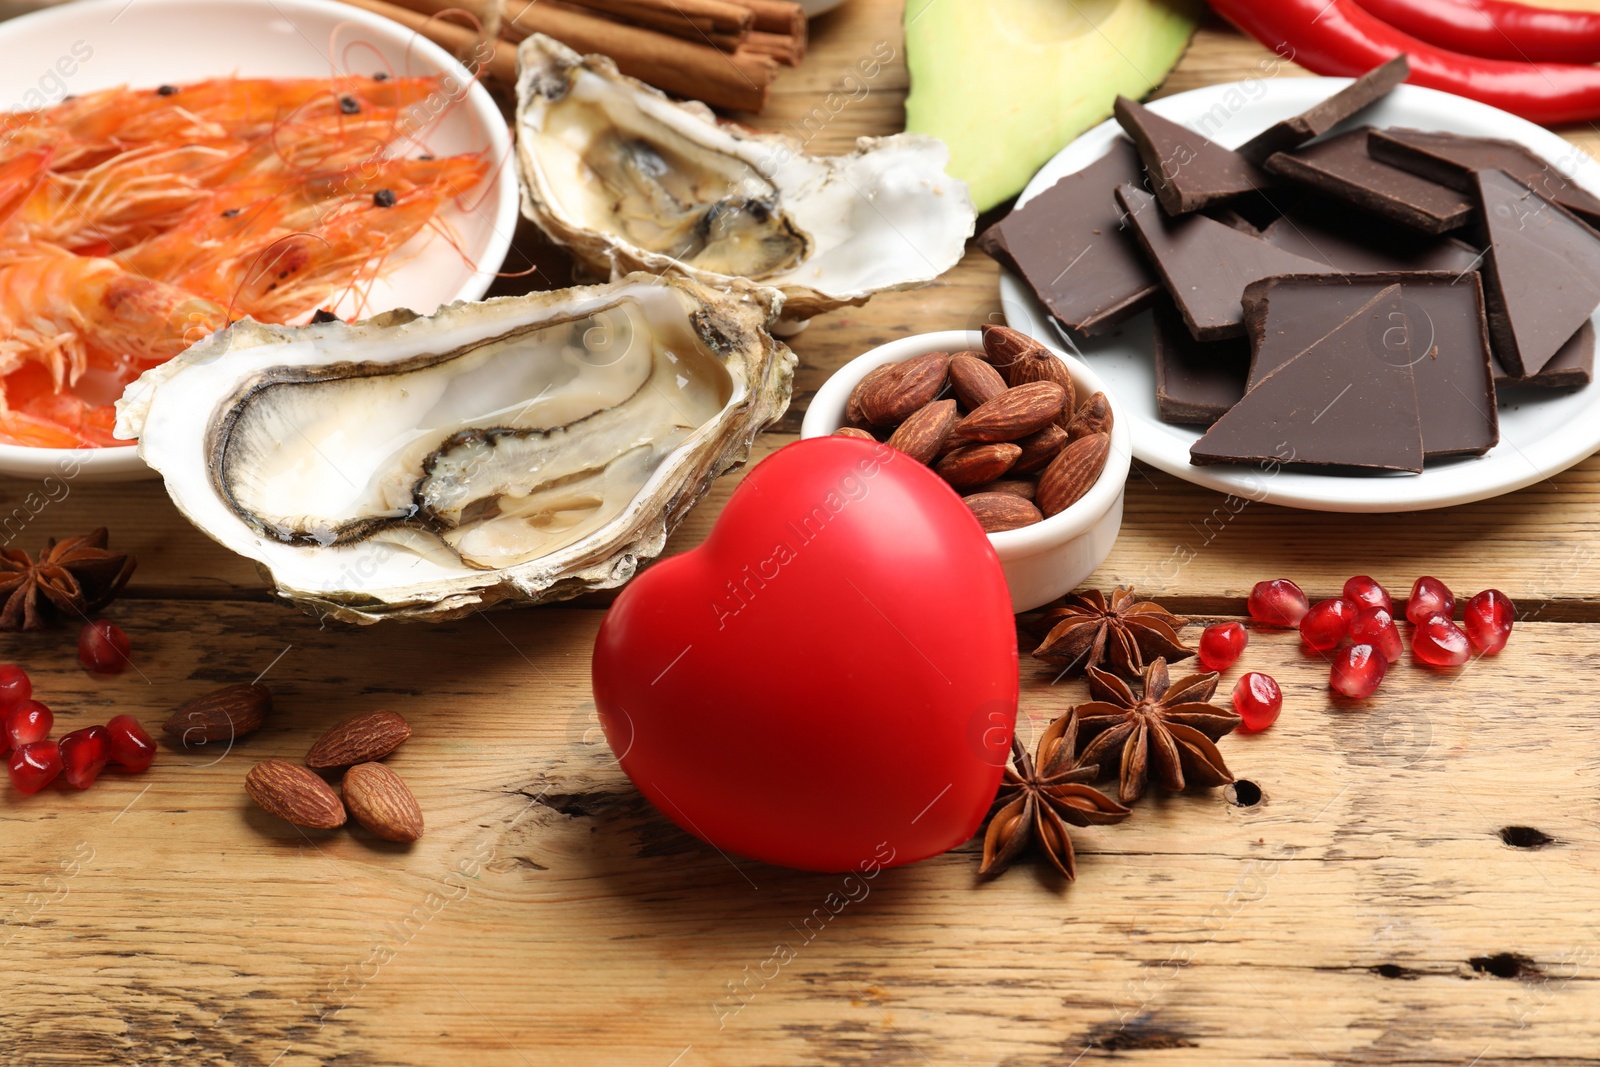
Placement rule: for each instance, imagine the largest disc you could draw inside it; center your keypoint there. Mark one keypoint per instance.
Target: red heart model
(830, 680)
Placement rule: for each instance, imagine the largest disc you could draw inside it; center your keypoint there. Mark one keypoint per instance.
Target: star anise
(1039, 796)
(1168, 732)
(69, 580)
(1125, 634)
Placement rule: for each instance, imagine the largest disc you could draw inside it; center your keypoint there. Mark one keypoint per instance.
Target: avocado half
(1007, 83)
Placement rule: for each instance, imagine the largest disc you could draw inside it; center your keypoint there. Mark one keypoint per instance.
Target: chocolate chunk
(1196, 381)
(1187, 171)
(1312, 123)
(1570, 368)
(1071, 248)
(1542, 276)
(1449, 340)
(1352, 241)
(1206, 264)
(1347, 400)
(1452, 159)
(1341, 168)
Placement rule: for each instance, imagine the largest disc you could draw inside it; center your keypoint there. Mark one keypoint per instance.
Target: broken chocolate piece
(1453, 159)
(1186, 170)
(1542, 275)
(1570, 368)
(1196, 381)
(1449, 343)
(1312, 123)
(1206, 264)
(1347, 400)
(1352, 241)
(1341, 168)
(1070, 247)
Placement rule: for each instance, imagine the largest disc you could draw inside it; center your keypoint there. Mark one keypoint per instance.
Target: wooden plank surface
(1368, 910)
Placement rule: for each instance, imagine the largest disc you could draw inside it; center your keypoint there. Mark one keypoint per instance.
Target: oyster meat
(522, 449)
(628, 179)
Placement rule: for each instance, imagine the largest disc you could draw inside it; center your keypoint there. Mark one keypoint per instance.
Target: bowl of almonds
(1027, 435)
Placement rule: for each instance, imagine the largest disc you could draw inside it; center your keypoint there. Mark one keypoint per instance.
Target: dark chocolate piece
(1348, 400)
(1341, 168)
(1570, 368)
(1070, 247)
(1312, 123)
(1196, 381)
(1542, 276)
(1187, 171)
(1206, 264)
(1452, 159)
(1352, 241)
(1449, 343)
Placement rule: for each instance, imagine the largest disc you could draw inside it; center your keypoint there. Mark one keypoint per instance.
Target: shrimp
(62, 311)
(19, 177)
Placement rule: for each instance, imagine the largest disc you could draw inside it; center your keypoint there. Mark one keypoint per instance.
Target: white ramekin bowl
(1048, 559)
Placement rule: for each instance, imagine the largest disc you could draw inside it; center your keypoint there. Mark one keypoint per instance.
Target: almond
(1040, 448)
(1004, 346)
(360, 739)
(295, 794)
(1023, 487)
(1015, 413)
(975, 464)
(853, 415)
(974, 381)
(924, 432)
(855, 432)
(997, 512)
(221, 715)
(891, 398)
(1046, 367)
(1072, 472)
(381, 802)
(1093, 417)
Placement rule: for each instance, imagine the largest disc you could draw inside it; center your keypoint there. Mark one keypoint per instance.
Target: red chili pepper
(1337, 37)
(1496, 29)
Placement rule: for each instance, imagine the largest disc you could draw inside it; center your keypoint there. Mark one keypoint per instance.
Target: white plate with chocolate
(1306, 311)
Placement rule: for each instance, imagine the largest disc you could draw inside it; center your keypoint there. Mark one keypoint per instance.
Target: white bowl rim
(117, 462)
(1028, 541)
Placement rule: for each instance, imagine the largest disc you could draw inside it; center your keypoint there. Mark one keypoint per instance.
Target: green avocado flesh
(1007, 83)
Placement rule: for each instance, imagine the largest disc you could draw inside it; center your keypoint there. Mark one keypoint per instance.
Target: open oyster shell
(522, 449)
(628, 179)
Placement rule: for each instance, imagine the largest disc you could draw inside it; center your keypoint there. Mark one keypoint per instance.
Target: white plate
(1540, 435)
(98, 44)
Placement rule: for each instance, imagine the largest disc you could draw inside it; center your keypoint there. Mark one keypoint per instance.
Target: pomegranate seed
(1327, 624)
(1278, 603)
(1487, 619)
(103, 647)
(1439, 642)
(1365, 592)
(28, 722)
(1429, 597)
(35, 766)
(1357, 671)
(15, 686)
(1375, 627)
(1222, 645)
(84, 754)
(1258, 700)
(131, 747)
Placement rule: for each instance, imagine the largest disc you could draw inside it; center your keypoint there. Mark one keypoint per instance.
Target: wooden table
(1368, 910)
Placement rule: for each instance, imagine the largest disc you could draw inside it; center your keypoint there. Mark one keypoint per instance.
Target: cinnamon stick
(735, 81)
(780, 46)
(501, 62)
(778, 16)
(683, 18)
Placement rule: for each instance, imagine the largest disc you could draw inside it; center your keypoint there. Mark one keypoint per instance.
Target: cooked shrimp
(58, 310)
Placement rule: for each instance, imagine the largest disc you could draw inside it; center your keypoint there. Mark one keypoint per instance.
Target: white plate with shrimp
(391, 185)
